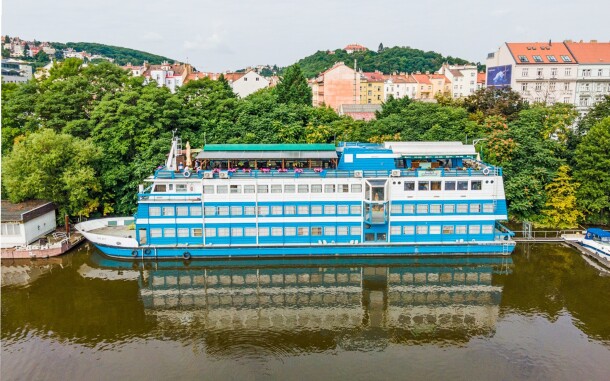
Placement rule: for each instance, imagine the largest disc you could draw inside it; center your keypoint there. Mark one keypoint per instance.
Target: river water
(543, 313)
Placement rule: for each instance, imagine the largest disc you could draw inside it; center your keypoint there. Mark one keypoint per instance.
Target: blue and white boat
(357, 199)
(597, 242)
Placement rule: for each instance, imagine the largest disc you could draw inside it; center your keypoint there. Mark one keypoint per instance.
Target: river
(543, 313)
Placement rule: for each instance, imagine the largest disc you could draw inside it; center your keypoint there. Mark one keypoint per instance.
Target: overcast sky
(232, 34)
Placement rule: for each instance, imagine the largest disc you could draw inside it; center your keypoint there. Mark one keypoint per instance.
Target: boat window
(396, 209)
(435, 185)
(210, 210)
(329, 188)
(180, 187)
(303, 188)
(408, 230)
(342, 230)
(235, 189)
(154, 211)
(263, 189)
(170, 187)
(462, 185)
(330, 209)
(476, 185)
(462, 208)
(195, 211)
(209, 232)
(316, 188)
(169, 232)
(155, 233)
(488, 229)
(316, 231)
(208, 189)
(223, 210)
(183, 232)
(237, 232)
(356, 209)
(356, 230)
(409, 209)
(168, 211)
(435, 208)
(182, 210)
(249, 210)
(395, 230)
(223, 232)
(475, 208)
(221, 189)
(342, 209)
(316, 209)
(303, 209)
(263, 210)
(369, 236)
(250, 232)
(447, 229)
(290, 231)
(460, 229)
(409, 185)
(248, 188)
(422, 229)
(289, 188)
(289, 209)
(435, 229)
(422, 208)
(303, 231)
(236, 211)
(474, 229)
(343, 188)
(356, 188)
(160, 188)
(449, 208)
(329, 230)
(276, 210)
(423, 185)
(488, 208)
(276, 188)
(263, 232)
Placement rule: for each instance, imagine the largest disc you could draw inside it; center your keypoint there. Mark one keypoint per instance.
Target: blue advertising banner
(499, 76)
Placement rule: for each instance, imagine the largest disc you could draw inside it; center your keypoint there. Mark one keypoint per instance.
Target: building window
(342, 209)
(276, 188)
(276, 210)
(343, 188)
(554, 72)
(551, 58)
(409, 208)
(460, 229)
(523, 59)
(183, 232)
(586, 72)
(524, 72)
(235, 189)
(277, 231)
(180, 187)
(566, 86)
(355, 230)
(462, 208)
(435, 185)
(435, 229)
(539, 72)
(210, 210)
(160, 188)
(475, 208)
(356, 188)
(566, 59)
(474, 229)
(423, 185)
(449, 185)
(396, 209)
(538, 86)
(395, 230)
(537, 58)
(488, 229)
(566, 100)
(524, 86)
(568, 71)
(342, 230)
(223, 232)
(552, 86)
(329, 188)
(600, 72)
(488, 208)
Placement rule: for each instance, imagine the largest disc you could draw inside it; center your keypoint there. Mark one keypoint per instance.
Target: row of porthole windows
(441, 208)
(279, 188)
(275, 231)
(448, 185)
(438, 229)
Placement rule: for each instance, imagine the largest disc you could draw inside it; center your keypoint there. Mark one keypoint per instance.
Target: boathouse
(25, 222)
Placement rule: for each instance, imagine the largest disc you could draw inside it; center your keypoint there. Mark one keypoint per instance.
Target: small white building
(15, 71)
(400, 86)
(244, 84)
(593, 75)
(26, 222)
(463, 79)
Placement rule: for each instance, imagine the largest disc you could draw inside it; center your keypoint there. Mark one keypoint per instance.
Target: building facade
(244, 84)
(400, 86)
(26, 222)
(463, 79)
(336, 86)
(372, 88)
(15, 71)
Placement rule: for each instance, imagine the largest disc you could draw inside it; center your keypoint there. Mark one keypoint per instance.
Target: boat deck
(115, 231)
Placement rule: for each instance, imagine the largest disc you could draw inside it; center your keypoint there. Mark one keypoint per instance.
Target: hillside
(121, 55)
(396, 59)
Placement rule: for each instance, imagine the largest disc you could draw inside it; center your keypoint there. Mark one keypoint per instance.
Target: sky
(233, 34)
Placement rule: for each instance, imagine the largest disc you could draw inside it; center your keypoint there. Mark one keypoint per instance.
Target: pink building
(336, 86)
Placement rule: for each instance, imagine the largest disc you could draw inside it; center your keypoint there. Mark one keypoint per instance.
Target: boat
(292, 200)
(597, 242)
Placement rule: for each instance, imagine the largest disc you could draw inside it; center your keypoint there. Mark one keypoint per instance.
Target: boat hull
(328, 250)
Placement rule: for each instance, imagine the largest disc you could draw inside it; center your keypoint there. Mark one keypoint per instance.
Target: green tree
(496, 101)
(592, 163)
(380, 48)
(293, 88)
(392, 106)
(561, 211)
(56, 167)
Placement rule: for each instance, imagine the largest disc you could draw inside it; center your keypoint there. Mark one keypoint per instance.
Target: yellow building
(372, 88)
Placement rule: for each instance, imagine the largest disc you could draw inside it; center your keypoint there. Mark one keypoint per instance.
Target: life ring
(486, 171)
(186, 255)
(186, 174)
(147, 251)
(134, 253)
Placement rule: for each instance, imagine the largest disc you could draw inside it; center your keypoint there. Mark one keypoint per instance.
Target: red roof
(590, 52)
(400, 79)
(481, 77)
(540, 53)
(232, 77)
(374, 77)
(355, 47)
(421, 78)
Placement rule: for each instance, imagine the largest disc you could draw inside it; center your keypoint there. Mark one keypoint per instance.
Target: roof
(355, 47)
(590, 52)
(355, 108)
(267, 151)
(232, 77)
(400, 79)
(481, 77)
(24, 211)
(431, 149)
(373, 77)
(599, 232)
(269, 147)
(542, 51)
(456, 73)
(421, 78)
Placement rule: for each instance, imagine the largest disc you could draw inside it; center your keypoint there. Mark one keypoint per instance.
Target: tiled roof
(232, 77)
(421, 78)
(400, 79)
(540, 53)
(590, 52)
(456, 73)
(355, 47)
(373, 77)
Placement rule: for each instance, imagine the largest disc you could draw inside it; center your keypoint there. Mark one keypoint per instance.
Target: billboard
(499, 76)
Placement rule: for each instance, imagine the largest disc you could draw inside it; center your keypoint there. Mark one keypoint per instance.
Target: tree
(293, 88)
(496, 101)
(380, 48)
(560, 211)
(56, 167)
(392, 106)
(7, 39)
(592, 163)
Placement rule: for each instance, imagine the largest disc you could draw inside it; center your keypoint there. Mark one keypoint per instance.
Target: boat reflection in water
(302, 306)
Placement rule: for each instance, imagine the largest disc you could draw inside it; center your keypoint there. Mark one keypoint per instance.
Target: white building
(593, 73)
(15, 71)
(171, 76)
(463, 79)
(71, 53)
(26, 222)
(539, 71)
(244, 84)
(400, 86)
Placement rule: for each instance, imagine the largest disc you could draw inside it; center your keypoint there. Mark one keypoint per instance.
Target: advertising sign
(499, 76)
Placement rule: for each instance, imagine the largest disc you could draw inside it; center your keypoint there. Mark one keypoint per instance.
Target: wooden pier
(546, 236)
